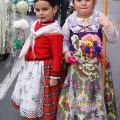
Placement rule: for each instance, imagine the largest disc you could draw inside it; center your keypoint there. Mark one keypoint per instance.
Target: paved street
(113, 52)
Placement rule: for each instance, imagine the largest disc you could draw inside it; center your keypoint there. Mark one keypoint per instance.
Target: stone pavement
(113, 51)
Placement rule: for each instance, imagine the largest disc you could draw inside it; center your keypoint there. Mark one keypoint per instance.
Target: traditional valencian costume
(40, 60)
(5, 14)
(8, 13)
(82, 98)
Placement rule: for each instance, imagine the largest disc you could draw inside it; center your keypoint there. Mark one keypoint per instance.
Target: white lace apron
(29, 89)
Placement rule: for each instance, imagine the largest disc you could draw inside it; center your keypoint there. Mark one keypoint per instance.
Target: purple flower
(98, 48)
(95, 43)
(87, 49)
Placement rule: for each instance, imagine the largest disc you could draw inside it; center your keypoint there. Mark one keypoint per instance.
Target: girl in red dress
(38, 85)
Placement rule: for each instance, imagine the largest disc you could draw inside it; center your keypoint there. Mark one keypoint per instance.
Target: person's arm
(66, 33)
(111, 34)
(108, 28)
(56, 42)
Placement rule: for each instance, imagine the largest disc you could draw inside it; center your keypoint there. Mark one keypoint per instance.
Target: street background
(7, 112)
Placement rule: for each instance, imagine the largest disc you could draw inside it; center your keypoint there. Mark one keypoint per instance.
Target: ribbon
(15, 1)
(17, 44)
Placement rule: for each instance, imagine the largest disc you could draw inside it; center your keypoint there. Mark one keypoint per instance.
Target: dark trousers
(63, 7)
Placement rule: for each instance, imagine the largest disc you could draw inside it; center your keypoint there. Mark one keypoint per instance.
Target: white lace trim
(74, 24)
(54, 77)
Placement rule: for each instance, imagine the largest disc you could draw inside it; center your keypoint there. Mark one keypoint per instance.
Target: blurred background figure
(8, 13)
(5, 11)
(31, 9)
(63, 8)
(70, 8)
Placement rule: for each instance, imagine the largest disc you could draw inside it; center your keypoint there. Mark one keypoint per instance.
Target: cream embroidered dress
(82, 98)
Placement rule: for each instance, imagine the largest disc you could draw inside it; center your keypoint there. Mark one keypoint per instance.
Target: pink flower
(82, 44)
(91, 49)
(97, 39)
(88, 37)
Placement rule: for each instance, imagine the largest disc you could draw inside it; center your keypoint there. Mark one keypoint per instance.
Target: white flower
(22, 6)
(81, 116)
(22, 24)
(16, 24)
(74, 37)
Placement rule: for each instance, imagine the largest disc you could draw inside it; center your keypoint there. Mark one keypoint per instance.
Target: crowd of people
(55, 81)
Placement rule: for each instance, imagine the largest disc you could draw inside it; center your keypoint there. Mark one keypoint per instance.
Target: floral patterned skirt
(32, 94)
(82, 99)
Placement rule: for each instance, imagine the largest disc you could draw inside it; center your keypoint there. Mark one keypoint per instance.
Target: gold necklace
(84, 22)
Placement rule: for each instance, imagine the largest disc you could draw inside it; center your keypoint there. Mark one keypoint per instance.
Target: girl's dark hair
(52, 2)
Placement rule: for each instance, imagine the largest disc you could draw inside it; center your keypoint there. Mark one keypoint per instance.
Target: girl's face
(44, 11)
(84, 8)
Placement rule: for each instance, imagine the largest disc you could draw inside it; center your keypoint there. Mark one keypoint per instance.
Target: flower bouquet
(18, 29)
(88, 54)
(19, 26)
(21, 6)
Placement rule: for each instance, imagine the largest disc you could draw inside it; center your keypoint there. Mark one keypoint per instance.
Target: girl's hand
(53, 82)
(104, 21)
(67, 54)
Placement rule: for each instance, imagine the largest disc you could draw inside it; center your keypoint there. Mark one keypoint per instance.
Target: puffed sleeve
(111, 34)
(66, 34)
(56, 42)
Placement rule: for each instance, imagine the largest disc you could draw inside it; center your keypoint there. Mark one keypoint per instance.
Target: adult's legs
(64, 8)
